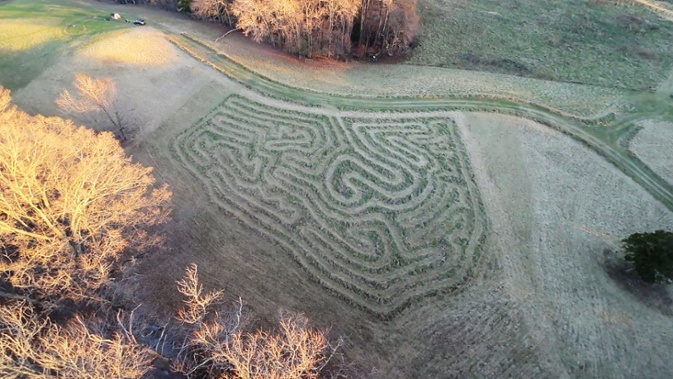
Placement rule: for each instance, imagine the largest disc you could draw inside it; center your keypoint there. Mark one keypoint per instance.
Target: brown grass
(21, 35)
(143, 47)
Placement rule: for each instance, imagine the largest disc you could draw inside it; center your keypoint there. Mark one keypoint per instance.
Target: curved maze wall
(378, 208)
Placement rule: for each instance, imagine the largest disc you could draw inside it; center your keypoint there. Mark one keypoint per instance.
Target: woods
(331, 28)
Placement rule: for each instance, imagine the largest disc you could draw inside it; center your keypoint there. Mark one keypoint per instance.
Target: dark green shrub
(651, 254)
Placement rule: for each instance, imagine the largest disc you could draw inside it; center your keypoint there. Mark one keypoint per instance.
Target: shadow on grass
(656, 296)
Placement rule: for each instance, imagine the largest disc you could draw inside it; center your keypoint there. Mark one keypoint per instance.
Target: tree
(33, 346)
(325, 27)
(94, 95)
(388, 26)
(71, 203)
(217, 346)
(216, 10)
(296, 351)
(651, 254)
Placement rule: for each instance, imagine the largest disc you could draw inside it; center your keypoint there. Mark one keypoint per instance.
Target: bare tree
(71, 203)
(325, 27)
(94, 95)
(206, 327)
(296, 351)
(218, 346)
(197, 303)
(256, 19)
(216, 10)
(388, 26)
(34, 347)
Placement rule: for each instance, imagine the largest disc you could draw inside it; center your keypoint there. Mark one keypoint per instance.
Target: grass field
(612, 44)
(447, 223)
(33, 35)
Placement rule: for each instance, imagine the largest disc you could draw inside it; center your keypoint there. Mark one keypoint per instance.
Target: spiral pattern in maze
(378, 208)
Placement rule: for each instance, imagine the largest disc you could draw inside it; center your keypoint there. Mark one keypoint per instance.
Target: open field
(447, 223)
(653, 145)
(34, 35)
(613, 44)
(559, 212)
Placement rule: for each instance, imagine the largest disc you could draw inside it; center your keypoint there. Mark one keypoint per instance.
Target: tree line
(330, 28)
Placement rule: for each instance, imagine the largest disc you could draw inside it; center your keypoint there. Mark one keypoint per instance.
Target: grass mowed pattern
(346, 192)
(379, 209)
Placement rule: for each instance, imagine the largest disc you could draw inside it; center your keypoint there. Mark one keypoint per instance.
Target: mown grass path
(603, 135)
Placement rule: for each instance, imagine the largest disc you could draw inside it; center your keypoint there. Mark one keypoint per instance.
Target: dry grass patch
(144, 47)
(653, 145)
(22, 35)
(558, 227)
(607, 43)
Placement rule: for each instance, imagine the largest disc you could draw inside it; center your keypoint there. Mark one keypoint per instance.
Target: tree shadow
(656, 296)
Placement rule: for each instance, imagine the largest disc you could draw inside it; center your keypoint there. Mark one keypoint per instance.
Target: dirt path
(654, 144)
(662, 11)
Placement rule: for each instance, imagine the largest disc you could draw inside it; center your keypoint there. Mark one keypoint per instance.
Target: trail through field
(664, 12)
(552, 205)
(571, 125)
(654, 145)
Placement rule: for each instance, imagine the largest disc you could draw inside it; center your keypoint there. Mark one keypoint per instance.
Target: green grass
(70, 23)
(597, 42)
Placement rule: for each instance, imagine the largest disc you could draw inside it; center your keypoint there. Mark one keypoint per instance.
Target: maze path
(379, 209)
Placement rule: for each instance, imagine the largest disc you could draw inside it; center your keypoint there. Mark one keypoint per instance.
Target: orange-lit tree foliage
(320, 27)
(34, 347)
(94, 95)
(71, 202)
(217, 346)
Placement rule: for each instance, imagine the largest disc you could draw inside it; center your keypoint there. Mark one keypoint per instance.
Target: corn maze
(379, 208)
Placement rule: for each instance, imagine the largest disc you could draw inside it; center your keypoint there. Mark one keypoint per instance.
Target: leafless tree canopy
(323, 27)
(218, 346)
(388, 26)
(94, 95)
(34, 347)
(216, 10)
(70, 203)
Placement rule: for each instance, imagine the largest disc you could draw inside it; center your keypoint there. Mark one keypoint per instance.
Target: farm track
(373, 197)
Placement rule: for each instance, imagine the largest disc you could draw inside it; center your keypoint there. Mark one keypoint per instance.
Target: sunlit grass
(21, 35)
(34, 34)
(140, 47)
